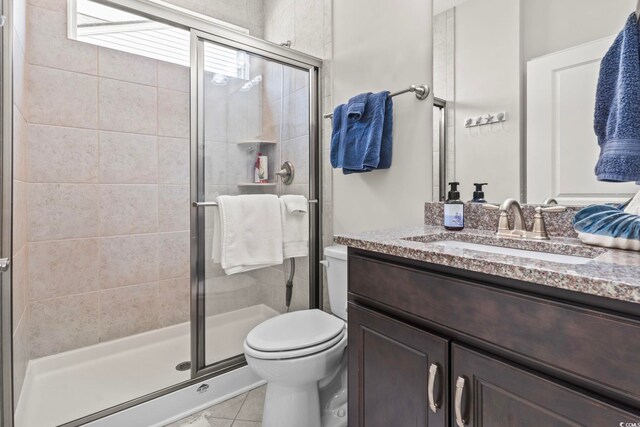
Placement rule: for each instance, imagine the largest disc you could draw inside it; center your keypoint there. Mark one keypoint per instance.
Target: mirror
(518, 81)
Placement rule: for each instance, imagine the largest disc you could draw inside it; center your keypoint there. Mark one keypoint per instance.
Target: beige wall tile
(19, 285)
(174, 256)
(173, 207)
(59, 5)
(128, 158)
(127, 260)
(173, 160)
(129, 310)
(119, 65)
(48, 45)
(62, 267)
(62, 211)
(61, 324)
(19, 145)
(62, 98)
(173, 76)
(128, 107)
(62, 154)
(20, 217)
(128, 209)
(173, 113)
(20, 77)
(174, 301)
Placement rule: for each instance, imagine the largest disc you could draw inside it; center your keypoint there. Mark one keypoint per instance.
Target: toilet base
(291, 405)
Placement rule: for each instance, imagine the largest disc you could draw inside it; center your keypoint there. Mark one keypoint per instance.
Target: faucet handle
(550, 209)
(490, 207)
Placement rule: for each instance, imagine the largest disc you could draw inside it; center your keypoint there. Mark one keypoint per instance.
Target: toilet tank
(336, 265)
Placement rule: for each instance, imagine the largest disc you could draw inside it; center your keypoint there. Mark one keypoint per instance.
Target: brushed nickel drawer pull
(433, 372)
(460, 421)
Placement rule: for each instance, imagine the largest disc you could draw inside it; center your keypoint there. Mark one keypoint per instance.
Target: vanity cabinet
(504, 355)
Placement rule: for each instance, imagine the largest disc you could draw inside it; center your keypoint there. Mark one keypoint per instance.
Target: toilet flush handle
(325, 263)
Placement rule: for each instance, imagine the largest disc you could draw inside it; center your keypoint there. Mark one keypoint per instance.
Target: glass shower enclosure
(161, 316)
(264, 106)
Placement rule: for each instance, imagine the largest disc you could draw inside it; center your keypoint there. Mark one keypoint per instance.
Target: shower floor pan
(77, 383)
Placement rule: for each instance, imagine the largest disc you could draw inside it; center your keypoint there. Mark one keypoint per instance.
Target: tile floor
(241, 411)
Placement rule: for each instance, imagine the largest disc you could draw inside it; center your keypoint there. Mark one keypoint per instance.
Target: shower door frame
(286, 57)
(6, 176)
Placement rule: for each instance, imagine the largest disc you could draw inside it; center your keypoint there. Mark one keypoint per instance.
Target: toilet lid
(295, 330)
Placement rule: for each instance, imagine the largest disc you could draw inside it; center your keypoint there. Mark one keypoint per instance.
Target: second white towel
(295, 226)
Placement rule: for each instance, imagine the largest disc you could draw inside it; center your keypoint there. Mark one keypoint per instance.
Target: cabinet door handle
(433, 372)
(460, 421)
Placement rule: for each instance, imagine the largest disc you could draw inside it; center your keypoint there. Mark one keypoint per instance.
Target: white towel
(633, 207)
(251, 232)
(295, 231)
(295, 204)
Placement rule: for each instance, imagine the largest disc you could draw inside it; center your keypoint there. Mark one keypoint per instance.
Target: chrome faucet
(539, 229)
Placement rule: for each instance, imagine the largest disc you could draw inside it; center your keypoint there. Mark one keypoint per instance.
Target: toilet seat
(295, 334)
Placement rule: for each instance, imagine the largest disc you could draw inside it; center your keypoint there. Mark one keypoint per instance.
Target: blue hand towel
(617, 112)
(608, 226)
(356, 106)
(366, 144)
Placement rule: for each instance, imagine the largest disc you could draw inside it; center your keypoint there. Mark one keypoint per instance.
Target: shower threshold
(70, 385)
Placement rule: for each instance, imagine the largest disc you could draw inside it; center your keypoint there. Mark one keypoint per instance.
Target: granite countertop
(609, 273)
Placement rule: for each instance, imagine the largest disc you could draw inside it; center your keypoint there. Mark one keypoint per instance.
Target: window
(116, 29)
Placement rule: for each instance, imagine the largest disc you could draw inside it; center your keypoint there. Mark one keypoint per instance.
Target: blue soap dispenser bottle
(454, 209)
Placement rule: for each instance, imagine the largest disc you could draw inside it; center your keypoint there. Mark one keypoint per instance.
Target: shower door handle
(5, 263)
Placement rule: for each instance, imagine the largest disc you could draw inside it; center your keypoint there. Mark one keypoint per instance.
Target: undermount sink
(542, 256)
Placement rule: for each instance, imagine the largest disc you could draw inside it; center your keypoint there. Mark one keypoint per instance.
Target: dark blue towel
(366, 144)
(617, 112)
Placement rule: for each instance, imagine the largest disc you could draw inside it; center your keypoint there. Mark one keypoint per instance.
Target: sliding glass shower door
(250, 109)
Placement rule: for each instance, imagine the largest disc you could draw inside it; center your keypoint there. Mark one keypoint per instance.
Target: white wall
(378, 46)
(487, 63)
(552, 25)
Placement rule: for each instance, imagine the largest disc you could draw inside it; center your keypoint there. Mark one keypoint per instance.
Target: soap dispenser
(454, 209)
(478, 195)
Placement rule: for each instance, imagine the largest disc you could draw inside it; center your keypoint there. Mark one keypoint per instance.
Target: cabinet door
(398, 374)
(492, 393)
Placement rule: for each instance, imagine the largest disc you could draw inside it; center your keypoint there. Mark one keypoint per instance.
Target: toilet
(302, 356)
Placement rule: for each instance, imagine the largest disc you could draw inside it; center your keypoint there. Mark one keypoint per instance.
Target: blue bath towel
(617, 112)
(364, 144)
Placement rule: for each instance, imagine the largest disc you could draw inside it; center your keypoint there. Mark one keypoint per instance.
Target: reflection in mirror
(537, 62)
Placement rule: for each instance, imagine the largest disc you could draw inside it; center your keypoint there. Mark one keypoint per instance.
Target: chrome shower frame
(287, 57)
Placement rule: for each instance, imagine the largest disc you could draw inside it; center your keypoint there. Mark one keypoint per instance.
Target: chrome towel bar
(422, 92)
(205, 204)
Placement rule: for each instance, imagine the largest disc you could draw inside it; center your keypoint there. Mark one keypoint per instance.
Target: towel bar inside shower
(421, 91)
(205, 204)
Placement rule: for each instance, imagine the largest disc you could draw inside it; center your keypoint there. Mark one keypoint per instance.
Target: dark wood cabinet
(398, 375)
(502, 355)
(493, 393)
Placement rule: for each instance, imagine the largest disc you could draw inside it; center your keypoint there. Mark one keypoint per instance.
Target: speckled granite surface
(559, 224)
(609, 273)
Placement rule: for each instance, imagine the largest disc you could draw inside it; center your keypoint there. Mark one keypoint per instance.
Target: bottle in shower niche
(261, 169)
(454, 209)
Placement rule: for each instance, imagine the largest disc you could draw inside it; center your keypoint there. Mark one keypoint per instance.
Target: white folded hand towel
(295, 230)
(250, 232)
(295, 204)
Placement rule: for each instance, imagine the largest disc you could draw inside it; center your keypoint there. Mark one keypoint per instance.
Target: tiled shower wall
(107, 180)
(108, 193)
